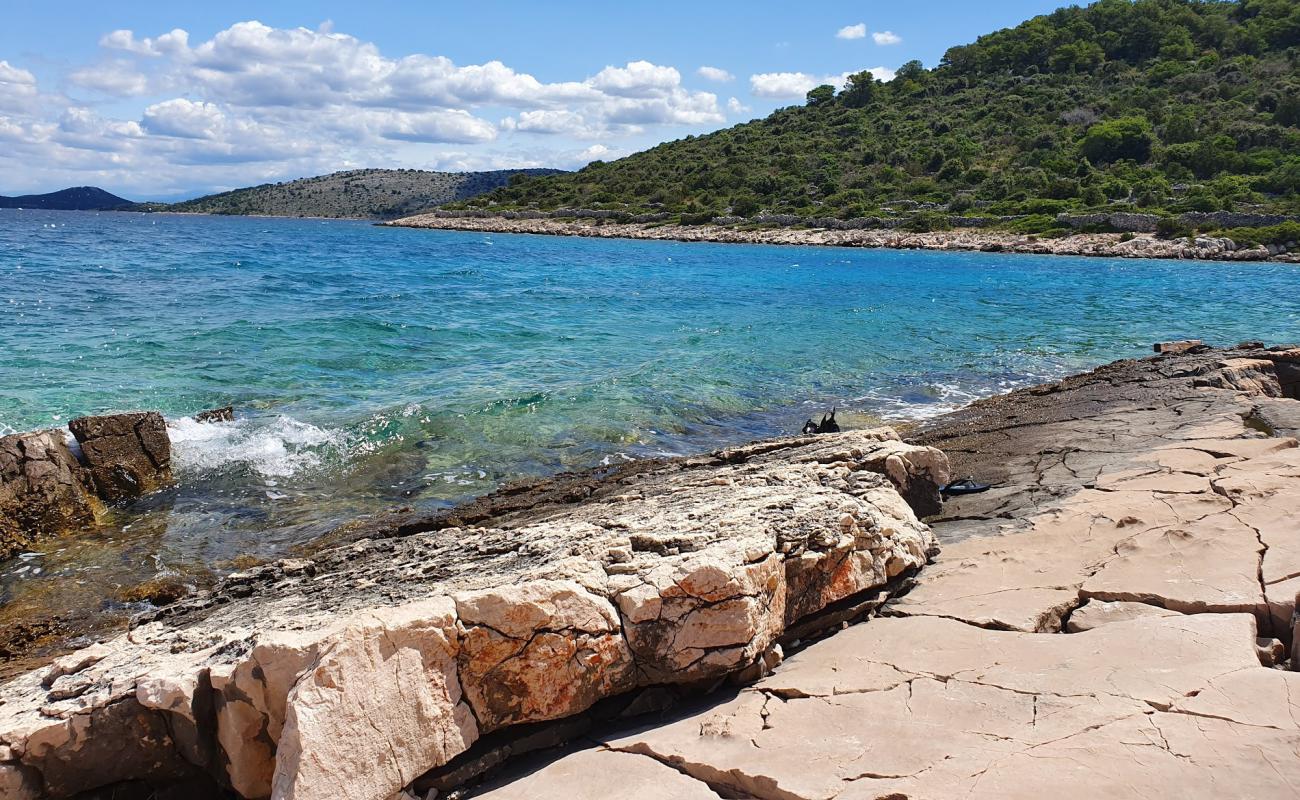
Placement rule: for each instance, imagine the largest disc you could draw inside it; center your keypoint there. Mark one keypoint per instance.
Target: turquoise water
(372, 366)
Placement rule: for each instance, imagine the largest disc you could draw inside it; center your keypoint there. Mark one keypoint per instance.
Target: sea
(373, 367)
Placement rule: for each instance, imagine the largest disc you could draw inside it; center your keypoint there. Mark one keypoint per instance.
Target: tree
(821, 95)
(1124, 138)
(859, 90)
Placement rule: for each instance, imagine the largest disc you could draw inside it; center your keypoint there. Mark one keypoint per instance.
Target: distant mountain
(78, 198)
(358, 194)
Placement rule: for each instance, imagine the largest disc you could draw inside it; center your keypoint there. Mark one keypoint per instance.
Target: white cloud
(734, 106)
(858, 31)
(792, 85)
(184, 118)
(255, 102)
(173, 42)
(451, 126)
(118, 78)
(637, 79)
(17, 87)
(715, 74)
(886, 38)
(787, 84)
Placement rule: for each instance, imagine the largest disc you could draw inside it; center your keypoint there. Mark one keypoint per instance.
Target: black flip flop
(965, 486)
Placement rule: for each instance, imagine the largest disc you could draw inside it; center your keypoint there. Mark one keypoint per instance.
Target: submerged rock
(127, 454)
(223, 414)
(44, 490)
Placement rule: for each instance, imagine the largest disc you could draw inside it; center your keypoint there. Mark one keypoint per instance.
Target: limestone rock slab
(602, 774)
(1096, 613)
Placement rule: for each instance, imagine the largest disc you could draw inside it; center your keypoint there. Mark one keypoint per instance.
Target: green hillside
(1153, 105)
(359, 194)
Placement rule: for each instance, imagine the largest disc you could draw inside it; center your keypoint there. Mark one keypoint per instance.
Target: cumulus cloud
(886, 38)
(17, 87)
(792, 85)
(715, 74)
(858, 31)
(184, 118)
(255, 99)
(734, 106)
(175, 41)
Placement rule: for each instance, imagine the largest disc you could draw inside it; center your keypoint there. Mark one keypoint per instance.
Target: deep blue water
(372, 366)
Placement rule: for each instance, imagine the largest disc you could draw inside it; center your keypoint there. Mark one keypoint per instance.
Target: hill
(362, 194)
(78, 198)
(1154, 105)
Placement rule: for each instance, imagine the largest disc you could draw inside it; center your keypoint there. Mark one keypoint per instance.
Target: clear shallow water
(371, 366)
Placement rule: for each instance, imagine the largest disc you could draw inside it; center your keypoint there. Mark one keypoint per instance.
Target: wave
(272, 447)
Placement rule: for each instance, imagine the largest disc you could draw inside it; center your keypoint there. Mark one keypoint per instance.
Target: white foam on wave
(273, 447)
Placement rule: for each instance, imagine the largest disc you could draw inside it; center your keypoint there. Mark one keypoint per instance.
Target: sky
(166, 100)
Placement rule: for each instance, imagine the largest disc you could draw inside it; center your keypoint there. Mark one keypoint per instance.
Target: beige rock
(602, 774)
(945, 705)
(541, 650)
(1096, 613)
(354, 673)
(1208, 565)
(74, 663)
(1030, 580)
(379, 705)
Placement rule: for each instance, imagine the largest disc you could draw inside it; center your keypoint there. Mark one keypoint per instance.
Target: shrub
(1170, 228)
(1126, 138)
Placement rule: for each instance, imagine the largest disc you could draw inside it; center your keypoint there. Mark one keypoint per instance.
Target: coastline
(1097, 245)
(1140, 514)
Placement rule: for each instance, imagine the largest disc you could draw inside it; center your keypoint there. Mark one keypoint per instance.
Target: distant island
(77, 198)
(353, 194)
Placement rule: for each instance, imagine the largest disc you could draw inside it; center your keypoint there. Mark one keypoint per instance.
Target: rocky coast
(1115, 617)
(1105, 245)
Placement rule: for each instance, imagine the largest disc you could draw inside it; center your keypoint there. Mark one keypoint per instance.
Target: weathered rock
(935, 708)
(127, 454)
(1138, 481)
(539, 651)
(1174, 348)
(603, 773)
(1096, 613)
(354, 672)
(44, 491)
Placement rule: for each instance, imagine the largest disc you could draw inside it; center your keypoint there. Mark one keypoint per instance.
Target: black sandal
(965, 486)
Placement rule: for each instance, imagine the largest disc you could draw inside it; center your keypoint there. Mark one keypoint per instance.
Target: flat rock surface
(1089, 629)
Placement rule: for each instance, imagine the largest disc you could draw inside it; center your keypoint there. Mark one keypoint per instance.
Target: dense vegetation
(359, 194)
(1152, 105)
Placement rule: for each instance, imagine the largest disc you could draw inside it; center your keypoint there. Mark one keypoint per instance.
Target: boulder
(44, 490)
(128, 455)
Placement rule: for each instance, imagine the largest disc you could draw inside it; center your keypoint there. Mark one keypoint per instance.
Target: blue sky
(164, 100)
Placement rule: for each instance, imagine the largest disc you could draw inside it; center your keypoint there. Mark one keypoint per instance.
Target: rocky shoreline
(1104, 245)
(1115, 616)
